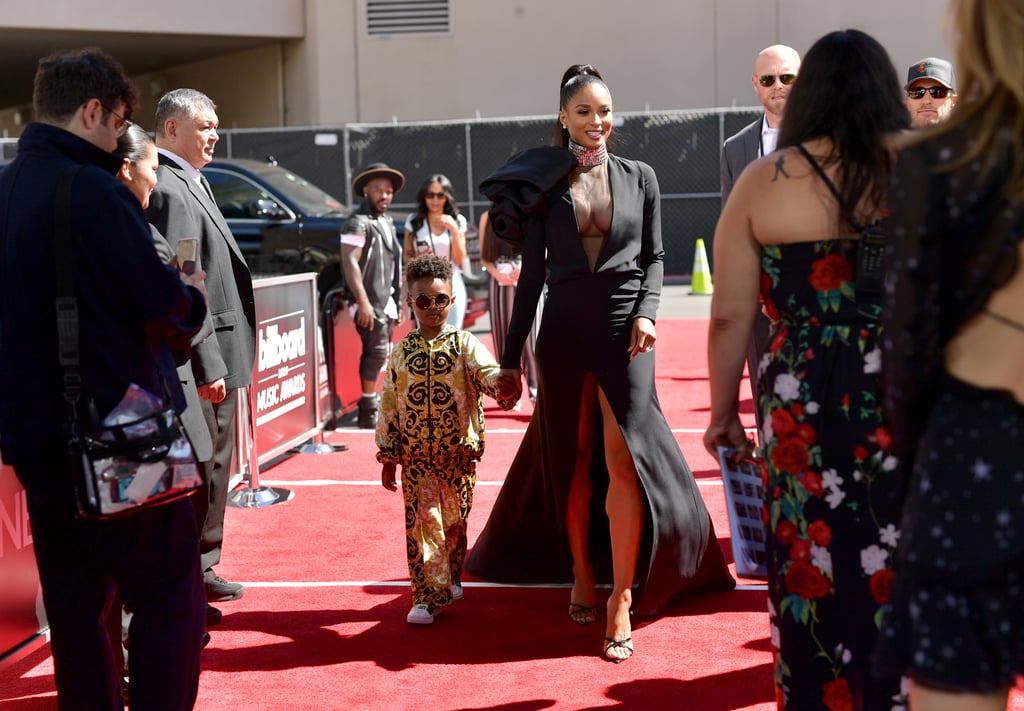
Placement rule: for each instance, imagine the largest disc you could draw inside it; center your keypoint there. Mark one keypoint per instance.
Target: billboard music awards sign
(284, 381)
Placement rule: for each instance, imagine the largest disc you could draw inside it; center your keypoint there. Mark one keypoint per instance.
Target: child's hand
(508, 388)
(507, 404)
(387, 476)
(508, 384)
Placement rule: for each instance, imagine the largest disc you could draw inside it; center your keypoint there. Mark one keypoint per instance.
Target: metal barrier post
(327, 341)
(253, 496)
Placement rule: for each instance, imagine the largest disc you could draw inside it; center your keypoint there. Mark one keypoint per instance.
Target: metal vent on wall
(406, 17)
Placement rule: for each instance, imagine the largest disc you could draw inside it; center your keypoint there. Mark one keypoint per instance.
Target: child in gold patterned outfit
(432, 424)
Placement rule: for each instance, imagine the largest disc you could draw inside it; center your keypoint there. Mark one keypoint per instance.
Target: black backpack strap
(66, 303)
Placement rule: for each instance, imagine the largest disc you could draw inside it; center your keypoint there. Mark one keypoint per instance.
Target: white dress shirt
(769, 138)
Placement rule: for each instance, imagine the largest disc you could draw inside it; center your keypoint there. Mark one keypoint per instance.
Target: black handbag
(131, 465)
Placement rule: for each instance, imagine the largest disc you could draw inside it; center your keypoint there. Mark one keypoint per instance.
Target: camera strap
(847, 213)
(870, 241)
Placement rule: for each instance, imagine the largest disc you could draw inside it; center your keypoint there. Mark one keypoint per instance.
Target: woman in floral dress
(790, 230)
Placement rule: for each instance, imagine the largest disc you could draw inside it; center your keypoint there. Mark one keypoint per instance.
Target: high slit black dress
(586, 328)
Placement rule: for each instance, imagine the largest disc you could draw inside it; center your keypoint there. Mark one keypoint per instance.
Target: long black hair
(848, 91)
(450, 206)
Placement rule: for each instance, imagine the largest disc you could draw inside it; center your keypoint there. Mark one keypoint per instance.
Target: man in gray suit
(775, 70)
(182, 206)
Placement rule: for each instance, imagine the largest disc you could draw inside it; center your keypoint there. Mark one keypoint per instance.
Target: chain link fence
(683, 147)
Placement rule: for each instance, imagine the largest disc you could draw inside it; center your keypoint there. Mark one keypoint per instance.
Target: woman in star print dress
(953, 360)
(791, 226)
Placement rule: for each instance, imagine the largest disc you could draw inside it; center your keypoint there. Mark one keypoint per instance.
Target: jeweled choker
(589, 156)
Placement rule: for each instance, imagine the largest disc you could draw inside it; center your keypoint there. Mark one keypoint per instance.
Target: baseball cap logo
(920, 67)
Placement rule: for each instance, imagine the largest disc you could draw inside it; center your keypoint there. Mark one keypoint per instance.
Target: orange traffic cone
(701, 282)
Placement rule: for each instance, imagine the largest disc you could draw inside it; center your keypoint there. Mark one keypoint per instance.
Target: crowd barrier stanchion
(253, 496)
(326, 345)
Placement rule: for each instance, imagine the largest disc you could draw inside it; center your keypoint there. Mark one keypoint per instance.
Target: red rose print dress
(832, 486)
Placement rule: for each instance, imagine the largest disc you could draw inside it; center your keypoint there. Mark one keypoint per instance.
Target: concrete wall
(268, 18)
(505, 59)
(257, 100)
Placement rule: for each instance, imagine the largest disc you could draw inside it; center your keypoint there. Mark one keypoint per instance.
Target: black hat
(932, 68)
(377, 170)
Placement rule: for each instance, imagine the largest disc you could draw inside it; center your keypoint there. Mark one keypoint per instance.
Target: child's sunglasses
(426, 301)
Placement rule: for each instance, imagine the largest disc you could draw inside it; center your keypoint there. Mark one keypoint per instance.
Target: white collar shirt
(769, 137)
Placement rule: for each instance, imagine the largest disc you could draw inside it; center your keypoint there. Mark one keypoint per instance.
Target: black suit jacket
(739, 151)
(180, 208)
(633, 246)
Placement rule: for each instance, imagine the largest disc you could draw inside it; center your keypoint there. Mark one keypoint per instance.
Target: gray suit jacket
(180, 208)
(739, 151)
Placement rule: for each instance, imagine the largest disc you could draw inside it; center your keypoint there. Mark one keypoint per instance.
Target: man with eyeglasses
(775, 70)
(930, 91)
(371, 261)
(130, 309)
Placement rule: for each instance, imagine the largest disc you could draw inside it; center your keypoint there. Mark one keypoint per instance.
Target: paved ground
(678, 302)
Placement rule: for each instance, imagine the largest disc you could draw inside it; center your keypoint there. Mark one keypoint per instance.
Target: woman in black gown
(599, 490)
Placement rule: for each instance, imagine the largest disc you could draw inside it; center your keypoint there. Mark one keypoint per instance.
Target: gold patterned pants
(438, 496)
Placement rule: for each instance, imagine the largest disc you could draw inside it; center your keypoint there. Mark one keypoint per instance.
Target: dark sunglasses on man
(937, 92)
(767, 80)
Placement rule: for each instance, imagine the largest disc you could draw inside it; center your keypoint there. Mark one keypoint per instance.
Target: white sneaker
(457, 591)
(421, 615)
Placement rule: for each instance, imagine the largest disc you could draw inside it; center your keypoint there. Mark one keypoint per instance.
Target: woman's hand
(643, 338)
(458, 240)
(729, 433)
(501, 277)
(509, 385)
(196, 279)
(450, 223)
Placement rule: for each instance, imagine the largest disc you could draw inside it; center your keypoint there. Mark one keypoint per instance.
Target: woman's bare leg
(923, 698)
(577, 515)
(624, 506)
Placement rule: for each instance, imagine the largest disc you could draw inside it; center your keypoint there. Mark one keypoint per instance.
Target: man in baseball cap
(371, 260)
(931, 93)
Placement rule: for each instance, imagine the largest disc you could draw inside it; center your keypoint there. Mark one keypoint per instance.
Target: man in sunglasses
(931, 93)
(775, 70)
(371, 260)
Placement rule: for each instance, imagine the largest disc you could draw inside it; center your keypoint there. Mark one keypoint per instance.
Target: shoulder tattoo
(780, 168)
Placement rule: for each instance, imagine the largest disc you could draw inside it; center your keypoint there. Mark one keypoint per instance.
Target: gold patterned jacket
(432, 401)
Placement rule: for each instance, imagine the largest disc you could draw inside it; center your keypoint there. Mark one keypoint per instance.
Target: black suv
(285, 224)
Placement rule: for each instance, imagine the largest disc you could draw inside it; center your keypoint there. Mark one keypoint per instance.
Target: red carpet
(322, 624)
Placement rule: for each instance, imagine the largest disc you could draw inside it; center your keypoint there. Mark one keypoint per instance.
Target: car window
(234, 194)
(310, 199)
